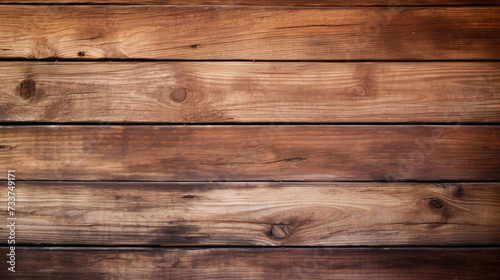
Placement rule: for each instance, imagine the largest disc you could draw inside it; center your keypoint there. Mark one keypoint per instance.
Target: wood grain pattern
(388, 3)
(252, 153)
(257, 186)
(256, 214)
(250, 92)
(232, 263)
(249, 33)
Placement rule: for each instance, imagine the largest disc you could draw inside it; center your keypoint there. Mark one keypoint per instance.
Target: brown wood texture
(250, 92)
(238, 263)
(249, 33)
(388, 3)
(257, 214)
(252, 153)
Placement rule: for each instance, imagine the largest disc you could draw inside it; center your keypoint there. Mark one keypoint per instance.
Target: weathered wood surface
(252, 153)
(387, 3)
(236, 263)
(250, 92)
(249, 33)
(256, 214)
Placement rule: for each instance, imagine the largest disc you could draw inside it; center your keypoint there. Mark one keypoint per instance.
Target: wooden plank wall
(250, 139)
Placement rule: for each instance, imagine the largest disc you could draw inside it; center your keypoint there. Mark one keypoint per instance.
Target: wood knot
(179, 95)
(436, 203)
(81, 54)
(27, 89)
(280, 231)
(359, 90)
(194, 46)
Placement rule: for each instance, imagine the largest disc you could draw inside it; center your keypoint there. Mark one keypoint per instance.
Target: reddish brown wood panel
(249, 33)
(257, 214)
(237, 263)
(253, 153)
(250, 92)
(388, 3)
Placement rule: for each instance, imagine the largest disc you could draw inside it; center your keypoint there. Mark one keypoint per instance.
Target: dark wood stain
(258, 263)
(194, 153)
(459, 191)
(27, 89)
(176, 233)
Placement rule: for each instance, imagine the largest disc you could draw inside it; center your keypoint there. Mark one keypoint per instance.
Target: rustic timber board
(250, 92)
(253, 153)
(249, 33)
(250, 139)
(258, 214)
(265, 263)
(386, 3)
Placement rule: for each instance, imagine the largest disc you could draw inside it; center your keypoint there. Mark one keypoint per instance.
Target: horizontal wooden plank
(252, 153)
(239, 263)
(252, 92)
(249, 214)
(389, 3)
(249, 33)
